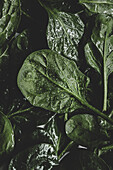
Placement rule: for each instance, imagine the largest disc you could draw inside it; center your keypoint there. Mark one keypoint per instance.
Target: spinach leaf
(41, 156)
(64, 33)
(9, 20)
(47, 82)
(101, 61)
(84, 130)
(52, 107)
(6, 135)
(56, 132)
(98, 6)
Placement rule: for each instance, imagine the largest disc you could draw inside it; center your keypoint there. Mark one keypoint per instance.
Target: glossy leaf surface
(47, 82)
(41, 156)
(64, 33)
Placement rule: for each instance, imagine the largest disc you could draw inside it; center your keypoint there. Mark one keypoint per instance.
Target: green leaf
(98, 6)
(55, 83)
(64, 33)
(99, 50)
(9, 20)
(6, 135)
(50, 81)
(41, 156)
(83, 129)
(56, 132)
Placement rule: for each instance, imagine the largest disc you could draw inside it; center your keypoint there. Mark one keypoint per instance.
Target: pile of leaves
(56, 76)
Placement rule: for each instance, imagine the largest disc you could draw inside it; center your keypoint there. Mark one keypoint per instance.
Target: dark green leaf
(83, 129)
(102, 42)
(9, 20)
(6, 135)
(56, 132)
(82, 160)
(39, 157)
(19, 49)
(50, 81)
(98, 6)
(61, 5)
(64, 33)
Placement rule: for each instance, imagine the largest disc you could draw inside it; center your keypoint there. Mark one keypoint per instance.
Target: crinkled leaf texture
(41, 156)
(53, 82)
(6, 135)
(64, 33)
(9, 21)
(98, 6)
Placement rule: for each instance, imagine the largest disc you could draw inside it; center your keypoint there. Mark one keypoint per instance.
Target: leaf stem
(19, 111)
(82, 101)
(65, 150)
(105, 149)
(105, 75)
(99, 113)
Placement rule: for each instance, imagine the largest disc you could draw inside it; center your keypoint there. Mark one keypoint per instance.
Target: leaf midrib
(83, 102)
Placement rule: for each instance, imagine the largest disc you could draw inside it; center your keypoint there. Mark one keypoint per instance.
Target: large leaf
(50, 81)
(6, 135)
(98, 6)
(41, 156)
(64, 33)
(99, 50)
(9, 20)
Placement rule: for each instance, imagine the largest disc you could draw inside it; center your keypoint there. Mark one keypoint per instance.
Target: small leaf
(83, 129)
(6, 135)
